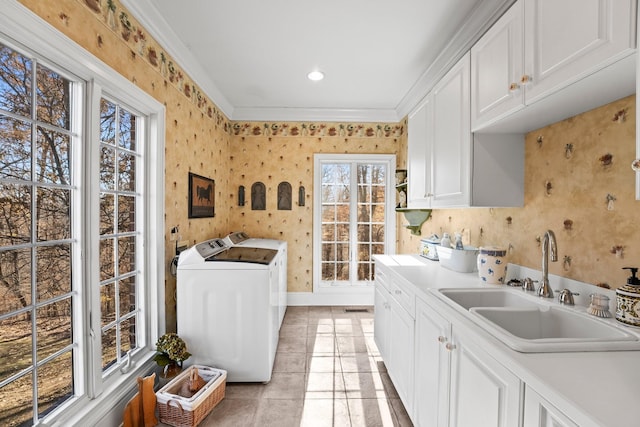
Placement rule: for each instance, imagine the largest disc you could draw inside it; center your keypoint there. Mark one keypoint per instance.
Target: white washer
(241, 238)
(227, 308)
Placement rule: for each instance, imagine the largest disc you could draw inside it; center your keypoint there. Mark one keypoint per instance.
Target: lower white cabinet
(457, 383)
(431, 399)
(394, 333)
(483, 392)
(400, 367)
(538, 412)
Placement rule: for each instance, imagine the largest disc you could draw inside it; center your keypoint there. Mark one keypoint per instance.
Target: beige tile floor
(327, 372)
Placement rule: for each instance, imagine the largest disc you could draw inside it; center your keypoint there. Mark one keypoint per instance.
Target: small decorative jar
(492, 265)
(628, 300)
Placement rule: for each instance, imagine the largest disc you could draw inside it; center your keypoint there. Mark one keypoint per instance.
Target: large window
(76, 212)
(353, 201)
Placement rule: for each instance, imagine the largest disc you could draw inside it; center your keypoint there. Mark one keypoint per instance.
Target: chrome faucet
(548, 244)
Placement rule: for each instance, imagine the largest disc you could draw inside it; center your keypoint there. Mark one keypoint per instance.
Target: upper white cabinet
(449, 168)
(451, 147)
(420, 137)
(541, 46)
(439, 152)
(497, 64)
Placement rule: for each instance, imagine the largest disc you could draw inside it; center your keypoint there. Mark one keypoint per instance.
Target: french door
(353, 218)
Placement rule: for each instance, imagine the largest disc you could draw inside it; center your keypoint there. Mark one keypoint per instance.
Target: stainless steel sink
(532, 325)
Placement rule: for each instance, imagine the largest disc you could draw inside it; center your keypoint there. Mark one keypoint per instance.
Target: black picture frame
(201, 196)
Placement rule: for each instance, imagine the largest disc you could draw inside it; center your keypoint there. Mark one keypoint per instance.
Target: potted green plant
(172, 351)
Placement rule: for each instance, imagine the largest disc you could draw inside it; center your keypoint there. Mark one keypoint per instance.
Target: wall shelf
(415, 217)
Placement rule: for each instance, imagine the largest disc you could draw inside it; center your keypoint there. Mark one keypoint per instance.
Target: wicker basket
(179, 411)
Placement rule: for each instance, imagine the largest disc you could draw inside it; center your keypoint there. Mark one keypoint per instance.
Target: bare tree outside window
(351, 230)
(36, 295)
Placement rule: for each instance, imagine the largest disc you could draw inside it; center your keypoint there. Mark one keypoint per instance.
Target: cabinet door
(451, 154)
(431, 398)
(400, 368)
(497, 63)
(483, 392)
(381, 310)
(420, 130)
(540, 413)
(567, 40)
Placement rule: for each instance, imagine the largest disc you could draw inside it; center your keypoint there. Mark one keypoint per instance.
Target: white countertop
(591, 388)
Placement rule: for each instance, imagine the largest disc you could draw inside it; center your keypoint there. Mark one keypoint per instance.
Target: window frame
(389, 161)
(95, 396)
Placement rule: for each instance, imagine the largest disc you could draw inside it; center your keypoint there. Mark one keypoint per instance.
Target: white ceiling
(380, 57)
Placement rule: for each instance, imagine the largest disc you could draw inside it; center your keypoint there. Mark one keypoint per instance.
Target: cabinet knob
(514, 87)
(525, 80)
(449, 346)
(442, 339)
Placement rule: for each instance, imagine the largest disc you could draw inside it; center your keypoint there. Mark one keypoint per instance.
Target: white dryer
(241, 239)
(227, 308)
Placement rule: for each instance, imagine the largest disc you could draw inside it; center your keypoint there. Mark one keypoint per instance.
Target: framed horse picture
(201, 196)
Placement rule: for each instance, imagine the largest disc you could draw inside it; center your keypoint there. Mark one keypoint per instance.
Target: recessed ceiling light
(315, 76)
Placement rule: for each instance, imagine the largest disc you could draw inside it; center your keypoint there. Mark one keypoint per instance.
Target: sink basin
(468, 298)
(549, 329)
(531, 325)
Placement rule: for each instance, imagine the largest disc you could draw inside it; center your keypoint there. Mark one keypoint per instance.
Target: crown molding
(479, 20)
(146, 13)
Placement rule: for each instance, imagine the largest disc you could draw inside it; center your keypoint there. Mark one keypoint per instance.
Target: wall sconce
(241, 195)
(301, 196)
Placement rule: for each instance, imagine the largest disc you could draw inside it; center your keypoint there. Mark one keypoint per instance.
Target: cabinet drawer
(404, 294)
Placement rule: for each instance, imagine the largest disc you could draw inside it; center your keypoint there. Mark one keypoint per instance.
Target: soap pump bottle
(628, 300)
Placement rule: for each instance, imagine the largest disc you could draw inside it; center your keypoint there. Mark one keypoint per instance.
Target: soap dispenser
(628, 300)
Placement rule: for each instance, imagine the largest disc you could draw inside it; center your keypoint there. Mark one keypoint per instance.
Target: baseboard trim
(327, 298)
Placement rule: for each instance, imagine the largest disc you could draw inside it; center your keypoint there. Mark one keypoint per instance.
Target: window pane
(127, 336)
(328, 251)
(126, 214)
(15, 222)
(55, 383)
(53, 98)
(108, 347)
(364, 194)
(16, 402)
(107, 121)
(342, 252)
(377, 213)
(15, 148)
(107, 260)
(364, 213)
(377, 233)
(54, 214)
(16, 345)
(342, 231)
(52, 162)
(15, 82)
(377, 249)
(54, 328)
(127, 137)
(342, 271)
(126, 255)
(126, 172)
(127, 289)
(15, 292)
(342, 213)
(53, 271)
(328, 232)
(328, 213)
(363, 233)
(364, 271)
(328, 271)
(107, 212)
(364, 252)
(108, 303)
(107, 168)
